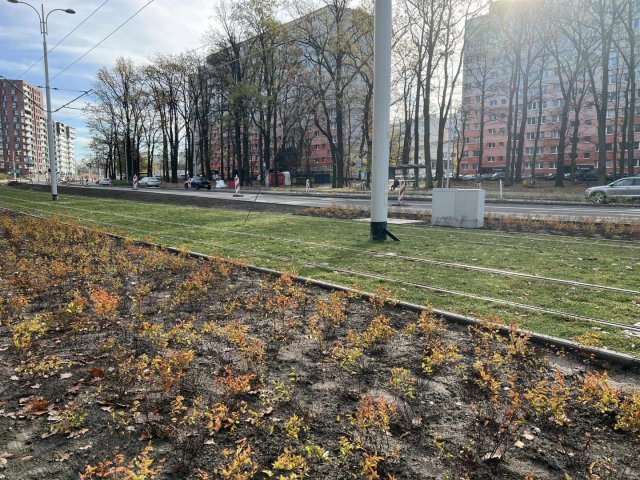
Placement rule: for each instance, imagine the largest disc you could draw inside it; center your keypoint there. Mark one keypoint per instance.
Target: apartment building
(296, 138)
(65, 150)
(23, 129)
(492, 94)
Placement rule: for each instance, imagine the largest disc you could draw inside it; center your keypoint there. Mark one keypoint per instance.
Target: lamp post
(50, 142)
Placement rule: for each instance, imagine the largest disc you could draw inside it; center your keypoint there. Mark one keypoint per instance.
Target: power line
(70, 102)
(65, 37)
(149, 2)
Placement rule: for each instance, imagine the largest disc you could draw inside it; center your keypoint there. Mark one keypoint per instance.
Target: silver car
(149, 182)
(623, 189)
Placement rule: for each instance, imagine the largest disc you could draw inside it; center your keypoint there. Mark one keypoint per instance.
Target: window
(613, 61)
(552, 164)
(532, 121)
(503, 101)
(611, 113)
(501, 144)
(493, 103)
(533, 105)
(476, 153)
(555, 134)
(553, 150)
(558, 103)
(636, 127)
(555, 118)
(609, 130)
(493, 117)
(586, 155)
(491, 145)
(491, 131)
(612, 79)
(503, 131)
(588, 122)
(491, 159)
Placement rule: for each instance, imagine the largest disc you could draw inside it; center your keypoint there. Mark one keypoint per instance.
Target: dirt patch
(111, 351)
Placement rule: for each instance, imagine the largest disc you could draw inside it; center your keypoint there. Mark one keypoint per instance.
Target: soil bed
(114, 355)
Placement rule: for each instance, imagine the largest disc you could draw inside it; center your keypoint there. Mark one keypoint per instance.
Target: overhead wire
(149, 2)
(64, 38)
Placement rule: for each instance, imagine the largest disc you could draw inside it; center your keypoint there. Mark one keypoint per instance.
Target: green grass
(315, 247)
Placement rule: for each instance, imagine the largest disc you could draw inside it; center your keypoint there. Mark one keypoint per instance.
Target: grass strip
(287, 242)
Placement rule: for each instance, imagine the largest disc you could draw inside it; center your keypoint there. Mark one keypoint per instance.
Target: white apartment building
(65, 150)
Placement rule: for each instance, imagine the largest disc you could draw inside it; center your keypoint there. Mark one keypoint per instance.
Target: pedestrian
(308, 185)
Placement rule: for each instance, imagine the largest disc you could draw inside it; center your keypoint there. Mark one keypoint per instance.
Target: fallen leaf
(15, 378)
(66, 375)
(61, 456)
(86, 447)
(28, 458)
(527, 435)
(518, 444)
(107, 409)
(78, 433)
(96, 372)
(35, 386)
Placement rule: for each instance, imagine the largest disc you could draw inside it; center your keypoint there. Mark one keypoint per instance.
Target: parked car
(587, 176)
(497, 176)
(469, 177)
(105, 182)
(198, 182)
(149, 182)
(623, 189)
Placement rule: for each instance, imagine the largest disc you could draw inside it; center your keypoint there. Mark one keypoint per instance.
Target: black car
(198, 182)
(587, 176)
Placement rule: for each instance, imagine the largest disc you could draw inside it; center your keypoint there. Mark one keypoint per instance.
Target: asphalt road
(557, 210)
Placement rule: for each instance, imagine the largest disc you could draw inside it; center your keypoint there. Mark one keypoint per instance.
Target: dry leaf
(66, 375)
(518, 444)
(78, 433)
(96, 372)
(61, 456)
(15, 378)
(527, 435)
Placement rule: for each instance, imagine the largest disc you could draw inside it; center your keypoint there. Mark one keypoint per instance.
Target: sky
(163, 26)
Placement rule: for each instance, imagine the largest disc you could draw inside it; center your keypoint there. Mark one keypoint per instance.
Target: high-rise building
(516, 84)
(304, 134)
(23, 129)
(65, 150)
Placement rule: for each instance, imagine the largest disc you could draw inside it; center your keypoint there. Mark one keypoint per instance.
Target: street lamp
(43, 29)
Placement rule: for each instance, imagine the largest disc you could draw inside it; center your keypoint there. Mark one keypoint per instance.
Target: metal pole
(381, 104)
(448, 148)
(50, 139)
(15, 179)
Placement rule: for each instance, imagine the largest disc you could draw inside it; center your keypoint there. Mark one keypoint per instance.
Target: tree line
(259, 90)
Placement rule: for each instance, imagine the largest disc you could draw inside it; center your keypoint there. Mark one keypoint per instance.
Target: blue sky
(166, 26)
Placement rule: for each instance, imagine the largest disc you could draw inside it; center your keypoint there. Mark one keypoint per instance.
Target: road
(559, 210)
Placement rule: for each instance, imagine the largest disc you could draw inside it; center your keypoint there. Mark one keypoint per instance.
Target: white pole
(501, 189)
(381, 104)
(448, 148)
(50, 138)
